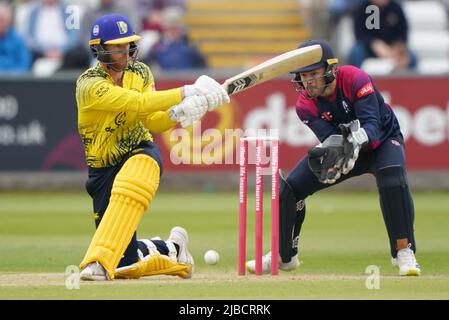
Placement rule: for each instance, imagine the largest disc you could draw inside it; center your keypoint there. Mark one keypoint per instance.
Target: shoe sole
(93, 278)
(411, 273)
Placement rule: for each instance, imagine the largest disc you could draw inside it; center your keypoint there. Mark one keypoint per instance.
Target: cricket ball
(211, 257)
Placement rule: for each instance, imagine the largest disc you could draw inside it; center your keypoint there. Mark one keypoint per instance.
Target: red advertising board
(35, 141)
(421, 105)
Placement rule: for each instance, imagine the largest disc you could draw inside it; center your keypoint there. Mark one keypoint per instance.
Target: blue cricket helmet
(327, 59)
(112, 29)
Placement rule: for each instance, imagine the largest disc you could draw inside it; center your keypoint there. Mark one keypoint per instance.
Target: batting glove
(189, 111)
(210, 89)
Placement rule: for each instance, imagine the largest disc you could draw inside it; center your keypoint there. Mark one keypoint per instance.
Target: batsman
(118, 111)
(359, 133)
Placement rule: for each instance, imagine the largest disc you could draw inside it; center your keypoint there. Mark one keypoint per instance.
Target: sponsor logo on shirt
(101, 91)
(120, 119)
(366, 89)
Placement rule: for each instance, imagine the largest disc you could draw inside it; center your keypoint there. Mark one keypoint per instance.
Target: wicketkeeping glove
(326, 159)
(210, 89)
(355, 138)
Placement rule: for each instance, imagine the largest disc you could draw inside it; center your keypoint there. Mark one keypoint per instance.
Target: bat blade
(273, 68)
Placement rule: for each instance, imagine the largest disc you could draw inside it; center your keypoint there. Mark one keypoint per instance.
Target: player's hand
(210, 89)
(189, 111)
(354, 138)
(326, 159)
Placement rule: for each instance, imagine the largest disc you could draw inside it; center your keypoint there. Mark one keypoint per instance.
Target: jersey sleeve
(159, 121)
(100, 94)
(366, 105)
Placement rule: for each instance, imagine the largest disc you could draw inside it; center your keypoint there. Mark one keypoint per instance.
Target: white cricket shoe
(266, 264)
(179, 236)
(94, 272)
(406, 261)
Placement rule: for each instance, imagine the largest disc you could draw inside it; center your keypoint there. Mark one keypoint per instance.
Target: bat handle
(175, 113)
(225, 86)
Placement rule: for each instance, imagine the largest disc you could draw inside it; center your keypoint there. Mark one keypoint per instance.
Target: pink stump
(242, 204)
(259, 206)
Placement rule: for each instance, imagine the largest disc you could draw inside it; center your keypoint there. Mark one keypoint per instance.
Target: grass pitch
(43, 233)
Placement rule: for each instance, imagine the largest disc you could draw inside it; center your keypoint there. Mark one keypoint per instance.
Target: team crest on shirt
(122, 27)
(327, 116)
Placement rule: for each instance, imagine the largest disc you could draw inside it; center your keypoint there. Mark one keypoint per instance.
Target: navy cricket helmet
(328, 62)
(327, 59)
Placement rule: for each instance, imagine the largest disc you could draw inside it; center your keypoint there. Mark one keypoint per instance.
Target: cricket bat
(272, 68)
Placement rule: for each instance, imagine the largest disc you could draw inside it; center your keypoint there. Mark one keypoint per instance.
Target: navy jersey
(356, 97)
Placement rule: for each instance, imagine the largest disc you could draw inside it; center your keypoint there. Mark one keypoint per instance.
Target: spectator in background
(149, 12)
(50, 37)
(340, 8)
(22, 16)
(173, 51)
(14, 55)
(389, 41)
(153, 20)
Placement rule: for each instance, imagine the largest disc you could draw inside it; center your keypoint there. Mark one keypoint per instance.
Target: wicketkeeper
(118, 111)
(359, 134)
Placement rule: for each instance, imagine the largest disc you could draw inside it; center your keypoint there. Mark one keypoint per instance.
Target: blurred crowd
(406, 35)
(45, 36)
(388, 42)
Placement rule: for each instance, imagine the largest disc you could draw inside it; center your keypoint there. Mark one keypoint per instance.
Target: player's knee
(138, 179)
(285, 189)
(287, 194)
(299, 186)
(389, 177)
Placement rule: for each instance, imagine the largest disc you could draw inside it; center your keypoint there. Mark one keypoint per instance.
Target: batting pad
(131, 194)
(154, 265)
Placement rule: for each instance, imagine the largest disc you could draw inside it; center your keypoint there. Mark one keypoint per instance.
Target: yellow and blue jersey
(114, 120)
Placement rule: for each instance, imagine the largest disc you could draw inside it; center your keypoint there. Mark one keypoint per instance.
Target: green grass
(43, 233)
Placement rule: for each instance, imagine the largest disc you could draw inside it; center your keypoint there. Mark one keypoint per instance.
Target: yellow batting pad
(155, 265)
(132, 192)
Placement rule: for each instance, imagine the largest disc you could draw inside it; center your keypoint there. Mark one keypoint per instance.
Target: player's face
(119, 53)
(313, 81)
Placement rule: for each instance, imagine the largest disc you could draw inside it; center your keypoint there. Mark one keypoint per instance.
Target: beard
(315, 91)
(119, 65)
